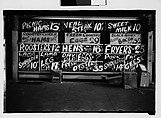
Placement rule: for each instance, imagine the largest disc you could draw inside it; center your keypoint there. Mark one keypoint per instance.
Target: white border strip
(87, 18)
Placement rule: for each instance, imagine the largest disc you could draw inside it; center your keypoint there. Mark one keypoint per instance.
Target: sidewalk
(76, 97)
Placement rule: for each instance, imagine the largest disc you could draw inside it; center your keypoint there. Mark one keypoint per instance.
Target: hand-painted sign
(124, 26)
(83, 26)
(82, 57)
(127, 63)
(32, 37)
(125, 38)
(49, 61)
(82, 47)
(132, 62)
(124, 49)
(28, 61)
(79, 57)
(40, 26)
(114, 62)
(39, 47)
(39, 59)
(87, 66)
(89, 38)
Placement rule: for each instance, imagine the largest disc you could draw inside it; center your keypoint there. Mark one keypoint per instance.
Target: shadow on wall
(68, 3)
(8, 46)
(75, 2)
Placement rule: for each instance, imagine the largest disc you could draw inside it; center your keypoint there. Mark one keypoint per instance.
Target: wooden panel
(15, 54)
(150, 54)
(34, 76)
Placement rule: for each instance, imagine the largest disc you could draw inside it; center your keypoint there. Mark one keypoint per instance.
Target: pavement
(76, 96)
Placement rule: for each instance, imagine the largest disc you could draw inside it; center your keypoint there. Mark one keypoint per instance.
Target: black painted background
(104, 39)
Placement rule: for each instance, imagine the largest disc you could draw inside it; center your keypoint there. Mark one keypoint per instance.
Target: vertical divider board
(81, 45)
